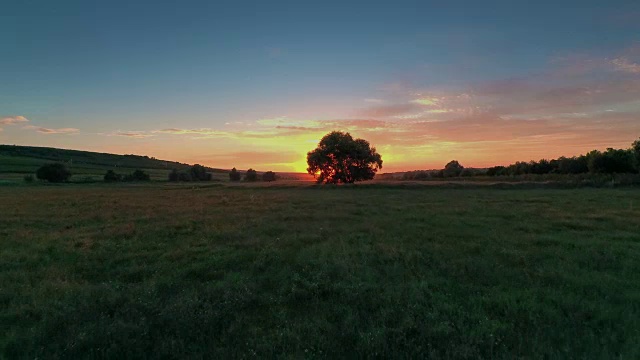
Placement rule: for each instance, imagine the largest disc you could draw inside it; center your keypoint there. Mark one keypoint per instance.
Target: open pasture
(159, 270)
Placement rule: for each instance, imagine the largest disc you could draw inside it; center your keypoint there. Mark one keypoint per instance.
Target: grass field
(170, 271)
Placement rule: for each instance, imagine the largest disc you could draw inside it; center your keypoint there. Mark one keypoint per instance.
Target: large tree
(341, 159)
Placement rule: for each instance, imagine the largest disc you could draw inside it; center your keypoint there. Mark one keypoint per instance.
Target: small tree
(234, 175)
(137, 175)
(452, 169)
(269, 176)
(251, 175)
(54, 173)
(199, 172)
(111, 176)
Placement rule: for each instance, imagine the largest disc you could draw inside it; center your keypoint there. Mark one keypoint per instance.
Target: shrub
(466, 172)
(54, 173)
(234, 175)
(111, 176)
(251, 175)
(137, 175)
(173, 175)
(269, 176)
(199, 172)
(28, 178)
(183, 176)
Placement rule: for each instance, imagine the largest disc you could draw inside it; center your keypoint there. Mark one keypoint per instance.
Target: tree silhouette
(341, 159)
(111, 176)
(269, 176)
(199, 172)
(234, 175)
(453, 168)
(251, 175)
(137, 175)
(635, 147)
(56, 172)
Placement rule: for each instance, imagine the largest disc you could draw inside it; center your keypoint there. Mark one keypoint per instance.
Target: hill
(17, 161)
(93, 158)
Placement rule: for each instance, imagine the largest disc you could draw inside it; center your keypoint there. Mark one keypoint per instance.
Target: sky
(258, 83)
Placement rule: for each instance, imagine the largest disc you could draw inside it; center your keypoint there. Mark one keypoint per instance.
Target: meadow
(181, 271)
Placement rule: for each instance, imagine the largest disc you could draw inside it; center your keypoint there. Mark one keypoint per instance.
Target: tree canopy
(269, 176)
(55, 172)
(251, 175)
(234, 175)
(341, 159)
(453, 168)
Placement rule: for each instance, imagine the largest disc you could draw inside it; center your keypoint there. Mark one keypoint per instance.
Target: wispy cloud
(132, 134)
(374, 101)
(12, 120)
(44, 130)
(202, 131)
(426, 101)
(624, 64)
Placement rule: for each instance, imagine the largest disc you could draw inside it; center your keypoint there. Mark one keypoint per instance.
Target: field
(175, 271)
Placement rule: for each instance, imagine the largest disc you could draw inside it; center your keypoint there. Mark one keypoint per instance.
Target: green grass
(136, 271)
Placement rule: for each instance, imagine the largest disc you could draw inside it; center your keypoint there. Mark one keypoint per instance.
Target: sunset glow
(422, 89)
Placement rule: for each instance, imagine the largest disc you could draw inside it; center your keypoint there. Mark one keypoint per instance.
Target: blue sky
(236, 68)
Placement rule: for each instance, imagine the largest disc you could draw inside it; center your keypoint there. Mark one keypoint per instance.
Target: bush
(234, 175)
(54, 173)
(28, 178)
(183, 176)
(199, 172)
(251, 175)
(173, 175)
(137, 175)
(269, 176)
(111, 176)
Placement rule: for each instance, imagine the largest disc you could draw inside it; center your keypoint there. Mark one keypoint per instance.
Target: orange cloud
(132, 134)
(44, 130)
(12, 120)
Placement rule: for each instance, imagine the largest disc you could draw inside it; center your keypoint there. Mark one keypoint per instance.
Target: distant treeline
(199, 173)
(610, 161)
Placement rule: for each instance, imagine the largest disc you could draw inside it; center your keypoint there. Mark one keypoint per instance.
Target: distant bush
(28, 178)
(269, 176)
(111, 176)
(234, 175)
(199, 172)
(54, 173)
(137, 175)
(174, 175)
(251, 175)
(453, 169)
(183, 176)
(466, 172)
